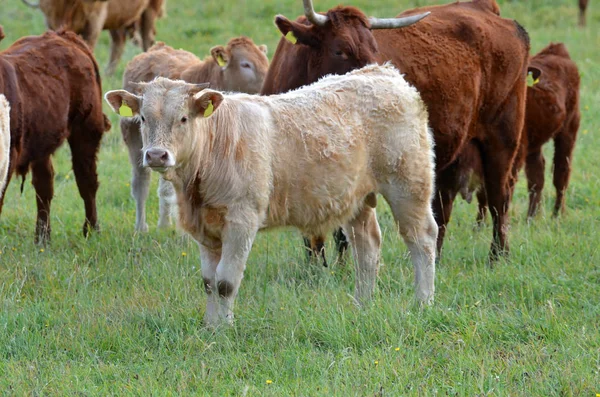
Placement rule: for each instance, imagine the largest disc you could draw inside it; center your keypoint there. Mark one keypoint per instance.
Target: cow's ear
(206, 103)
(296, 33)
(220, 55)
(535, 72)
(263, 48)
(124, 102)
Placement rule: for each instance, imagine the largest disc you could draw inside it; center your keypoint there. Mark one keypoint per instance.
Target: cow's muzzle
(158, 159)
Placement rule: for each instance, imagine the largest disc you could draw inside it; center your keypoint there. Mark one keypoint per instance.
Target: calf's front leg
(222, 281)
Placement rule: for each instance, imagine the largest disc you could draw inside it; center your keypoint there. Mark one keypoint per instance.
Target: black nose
(157, 157)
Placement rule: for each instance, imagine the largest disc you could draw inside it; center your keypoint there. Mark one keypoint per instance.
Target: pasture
(121, 313)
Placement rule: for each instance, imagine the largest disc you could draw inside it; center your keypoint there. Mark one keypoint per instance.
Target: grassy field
(121, 313)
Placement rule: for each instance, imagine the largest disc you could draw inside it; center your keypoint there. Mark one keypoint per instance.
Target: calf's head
(169, 112)
(243, 63)
(320, 44)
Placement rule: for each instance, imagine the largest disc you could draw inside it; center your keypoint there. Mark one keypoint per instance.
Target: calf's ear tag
(209, 109)
(125, 111)
(291, 38)
(221, 61)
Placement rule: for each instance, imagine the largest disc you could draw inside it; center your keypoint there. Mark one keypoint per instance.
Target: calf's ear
(123, 102)
(296, 33)
(206, 103)
(220, 56)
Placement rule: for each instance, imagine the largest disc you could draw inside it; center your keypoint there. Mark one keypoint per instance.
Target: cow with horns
(469, 65)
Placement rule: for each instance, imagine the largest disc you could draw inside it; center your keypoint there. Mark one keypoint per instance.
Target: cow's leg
(482, 206)
(140, 176)
(534, 169)
(84, 151)
(341, 244)
(117, 46)
(497, 166)
(447, 185)
(167, 200)
(209, 260)
(148, 19)
(417, 226)
(43, 182)
(238, 237)
(365, 238)
(564, 143)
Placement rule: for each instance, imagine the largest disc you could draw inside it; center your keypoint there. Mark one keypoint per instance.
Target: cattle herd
(349, 107)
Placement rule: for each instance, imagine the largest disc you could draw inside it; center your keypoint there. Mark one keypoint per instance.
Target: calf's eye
(184, 119)
(143, 119)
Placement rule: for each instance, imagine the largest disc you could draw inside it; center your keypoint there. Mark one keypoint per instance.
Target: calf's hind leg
(84, 146)
(417, 226)
(365, 239)
(43, 182)
(564, 143)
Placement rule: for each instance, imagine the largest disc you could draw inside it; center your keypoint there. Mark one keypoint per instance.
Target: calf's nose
(156, 157)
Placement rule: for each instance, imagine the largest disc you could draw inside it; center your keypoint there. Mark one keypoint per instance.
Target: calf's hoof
(88, 227)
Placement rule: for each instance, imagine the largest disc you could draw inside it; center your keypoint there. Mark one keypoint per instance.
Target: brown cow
(582, 7)
(468, 63)
(240, 66)
(552, 113)
(53, 85)
(90, 17)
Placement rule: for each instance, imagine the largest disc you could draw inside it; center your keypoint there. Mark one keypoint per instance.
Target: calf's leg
(117, 46)
(365, 239)
(447, 184)
(564, 143)
(84, 151)
(167, 202)
(147, 27)
(209, 259)
(417, 226)
(534, 169)
(140, 176)
(238, 237)
(43, 182)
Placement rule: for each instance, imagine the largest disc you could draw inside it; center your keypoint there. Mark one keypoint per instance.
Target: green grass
(122, 313)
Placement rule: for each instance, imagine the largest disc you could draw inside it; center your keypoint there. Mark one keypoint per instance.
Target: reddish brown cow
(468, 64)
(582, 7)
(552, 113)
(53, 86)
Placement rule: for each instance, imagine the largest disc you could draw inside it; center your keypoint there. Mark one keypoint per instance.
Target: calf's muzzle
(158, 158)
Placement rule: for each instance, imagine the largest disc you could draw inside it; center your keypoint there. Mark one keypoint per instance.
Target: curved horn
(311, 15)
(393, 23)
(32, 5)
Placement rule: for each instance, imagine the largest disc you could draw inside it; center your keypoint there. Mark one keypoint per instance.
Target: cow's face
(168, 112)
(342, 44)
(243, 63)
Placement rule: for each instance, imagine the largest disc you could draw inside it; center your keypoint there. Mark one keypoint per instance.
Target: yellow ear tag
(291, 38)
(221, 61)
(530, 81)
(209, 109)
(125, 111)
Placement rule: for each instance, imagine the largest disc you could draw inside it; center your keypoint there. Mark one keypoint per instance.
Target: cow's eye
(339, 53)
(184, 119)
(246, 65)
(143, 119)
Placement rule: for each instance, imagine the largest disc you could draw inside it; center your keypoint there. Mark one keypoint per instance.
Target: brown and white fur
(312, 158)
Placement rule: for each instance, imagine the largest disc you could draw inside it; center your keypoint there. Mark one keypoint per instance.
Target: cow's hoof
(87, 228)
